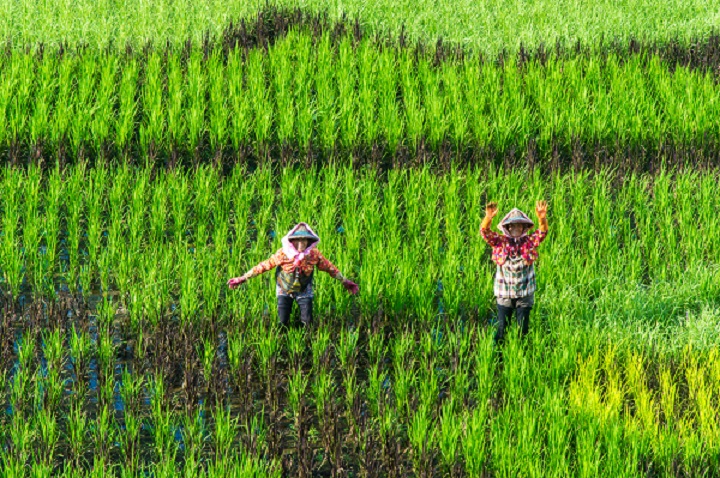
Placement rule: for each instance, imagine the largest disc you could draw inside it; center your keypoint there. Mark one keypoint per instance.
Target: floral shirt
(515, 274)
(504, 246)
(295, 280)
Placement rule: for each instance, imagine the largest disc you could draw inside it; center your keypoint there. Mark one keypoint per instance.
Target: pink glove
(236, 281)
(351, 287)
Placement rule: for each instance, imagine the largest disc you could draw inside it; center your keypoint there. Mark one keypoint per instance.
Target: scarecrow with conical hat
(295, 264)
(514, 252)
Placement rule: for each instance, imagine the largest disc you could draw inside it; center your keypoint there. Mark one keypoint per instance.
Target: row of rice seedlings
(347, 96)
(167, 243)
(421, 406)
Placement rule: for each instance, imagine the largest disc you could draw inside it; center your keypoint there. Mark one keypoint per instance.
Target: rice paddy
(124, 353)
(152, 151)
(311, 99)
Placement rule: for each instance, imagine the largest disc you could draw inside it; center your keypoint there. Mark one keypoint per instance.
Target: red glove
(351, 287)
(236, 281)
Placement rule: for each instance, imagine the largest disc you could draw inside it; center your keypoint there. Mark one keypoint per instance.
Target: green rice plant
(346, 75)
(435, 123)
(129, 439)
(77, 434)
(105, 104)
(179, 202)
(130, 389)
(320, 348)
(38, 470)
(32, 226)
(83, 97)
(97, 189)
(12, 262)
(226, 429)
(367, 84)
(46, 88)
(668, 396)
(158, 210)
(255, 433)
(207, 352)
(422, 434)
(281, 82)
(239, 102)
(259, 92)
(189, 300)
(74, 206)
(388, 110)
(237, 352)
(267, 350)
(448, 436)
(22, 77)
(126, 119)
(297, 388)
(346, 350)
(104, 434)
(20, 435)
(218, 102)
(162, 424)
(460, 364)
(405, 373)
(195, 106)
(152, 126)
(193, 433)
(49, 435)
(175, 102)
(137, 210)
(474, 441)
(80, 349)
(326, 96)
(54, 352)
(295, 345)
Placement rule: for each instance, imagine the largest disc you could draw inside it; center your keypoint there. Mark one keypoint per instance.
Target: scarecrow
(514, 252)
(295, 265)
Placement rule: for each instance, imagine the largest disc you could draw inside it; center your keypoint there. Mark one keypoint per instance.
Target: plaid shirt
(515, 275)
(306, 268)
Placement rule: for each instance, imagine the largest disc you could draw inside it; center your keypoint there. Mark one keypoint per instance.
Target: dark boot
(522, 315)
(503, 317)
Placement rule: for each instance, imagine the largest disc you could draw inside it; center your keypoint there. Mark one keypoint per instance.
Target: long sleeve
(265, 266)
(539, 235)
(492, 238)
(326, 266)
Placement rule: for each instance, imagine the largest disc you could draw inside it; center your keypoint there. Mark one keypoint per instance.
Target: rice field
(124, 353)
(319, 97)
(153, 150)
(489, 26)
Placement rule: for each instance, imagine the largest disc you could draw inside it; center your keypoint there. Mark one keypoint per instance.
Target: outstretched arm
(264, 266)
(488, 235)
(326, 266)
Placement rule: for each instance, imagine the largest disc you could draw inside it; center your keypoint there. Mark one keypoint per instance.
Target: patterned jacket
(294, 270)
(515, 274)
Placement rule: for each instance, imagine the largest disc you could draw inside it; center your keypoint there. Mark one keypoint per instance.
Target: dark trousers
(522, 316)
(285, 304)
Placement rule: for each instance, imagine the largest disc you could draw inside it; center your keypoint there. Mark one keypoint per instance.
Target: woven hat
(302, 233)
(516, 216)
